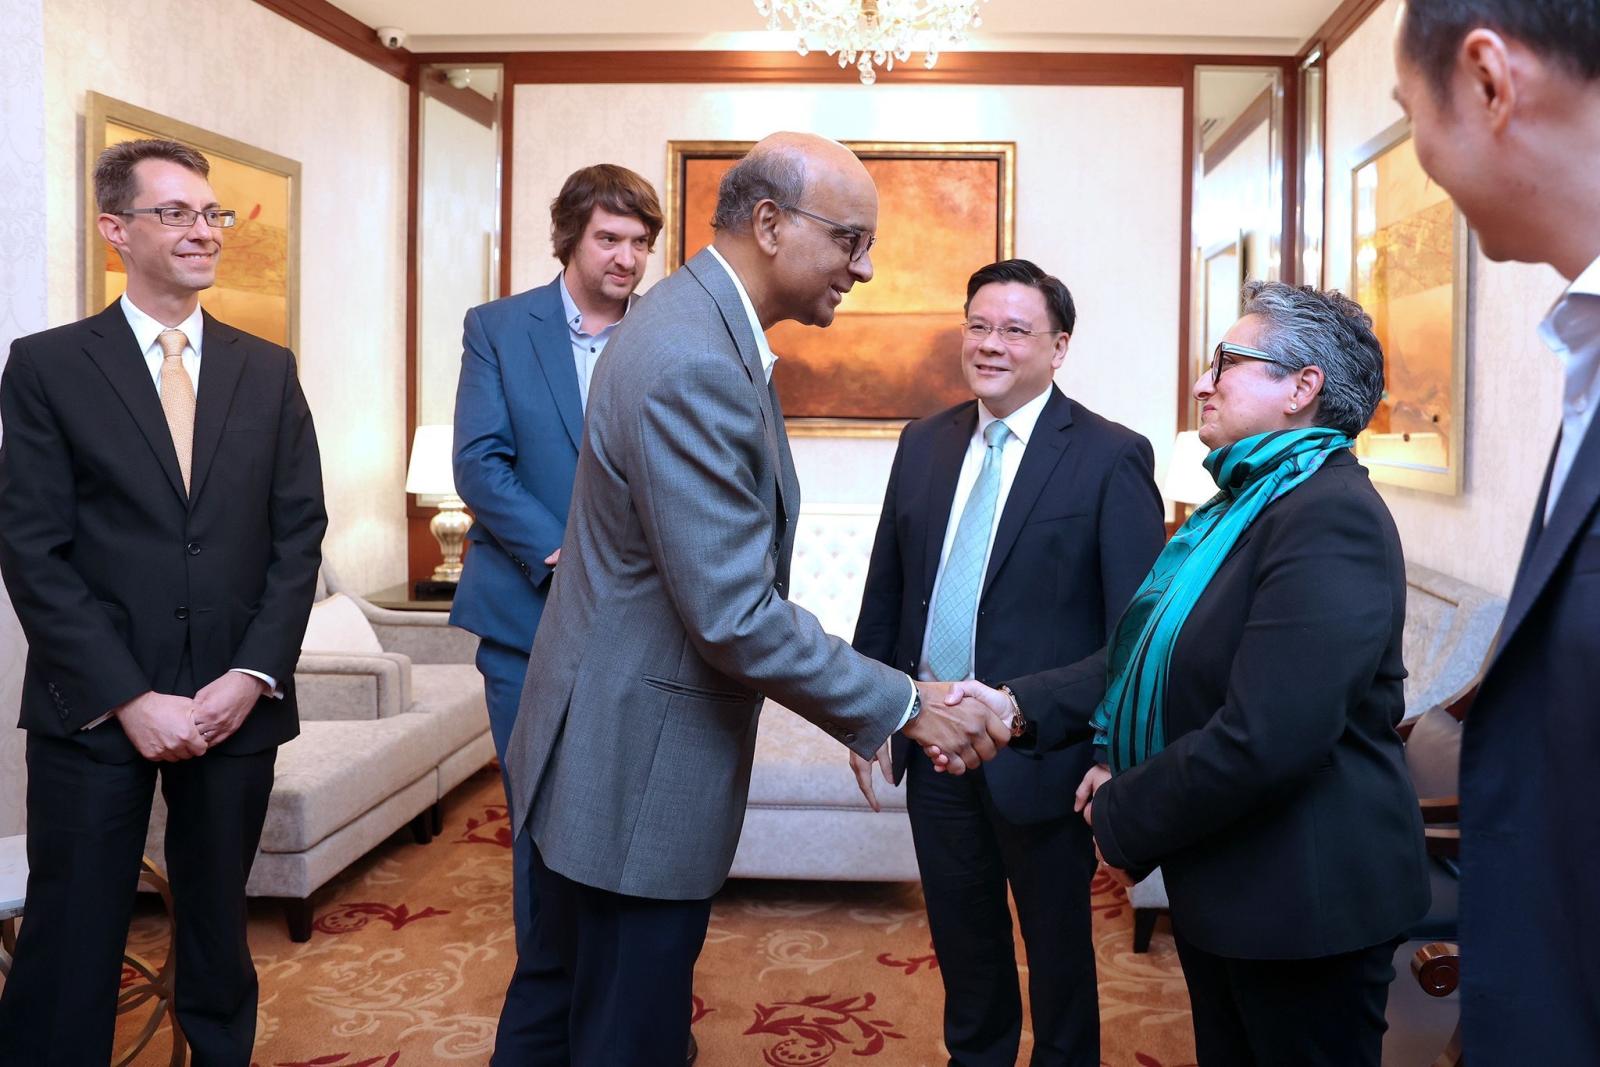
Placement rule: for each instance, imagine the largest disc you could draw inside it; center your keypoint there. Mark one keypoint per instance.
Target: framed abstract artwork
(893, 352)
(258, 275)
(1409, 266)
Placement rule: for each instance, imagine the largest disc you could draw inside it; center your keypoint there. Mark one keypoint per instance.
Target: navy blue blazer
(1530, 832)
(1079, 531)
(519, 419)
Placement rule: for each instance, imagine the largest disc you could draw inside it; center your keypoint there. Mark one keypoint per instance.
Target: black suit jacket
(1280, 810)
(1530, 823)
(116, 574)
(1079, 530)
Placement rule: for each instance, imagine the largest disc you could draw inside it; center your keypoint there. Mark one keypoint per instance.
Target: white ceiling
(1263, 27)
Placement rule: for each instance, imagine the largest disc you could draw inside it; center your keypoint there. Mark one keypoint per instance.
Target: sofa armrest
(423, 636)
(352, 686)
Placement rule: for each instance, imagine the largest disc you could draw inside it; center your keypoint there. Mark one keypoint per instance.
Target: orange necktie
(177, 399)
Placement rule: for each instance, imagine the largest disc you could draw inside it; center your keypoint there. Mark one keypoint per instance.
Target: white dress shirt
(1021, 423)
(147, 331)
(764, 350)
(1572, 331)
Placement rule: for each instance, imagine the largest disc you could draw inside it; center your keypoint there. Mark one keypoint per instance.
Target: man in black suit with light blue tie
(525, 370)
(1015, 529)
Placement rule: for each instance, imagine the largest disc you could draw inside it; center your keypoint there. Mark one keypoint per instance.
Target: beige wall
(1099, 174)
(22, 311)
(244, 72)
(1513, 381)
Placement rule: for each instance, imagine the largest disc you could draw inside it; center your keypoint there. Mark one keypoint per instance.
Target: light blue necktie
(956, 607)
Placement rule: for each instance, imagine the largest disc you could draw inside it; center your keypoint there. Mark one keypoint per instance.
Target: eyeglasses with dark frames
(1227, 354)
(216, 217)
(860, 240)
(975, 330)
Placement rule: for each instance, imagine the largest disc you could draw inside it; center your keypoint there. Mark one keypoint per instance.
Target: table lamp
(430, 475)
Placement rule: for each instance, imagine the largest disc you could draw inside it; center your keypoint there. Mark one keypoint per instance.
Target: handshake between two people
(960, 725)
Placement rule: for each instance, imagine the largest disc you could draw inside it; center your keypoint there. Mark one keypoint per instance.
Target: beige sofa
(383, 736)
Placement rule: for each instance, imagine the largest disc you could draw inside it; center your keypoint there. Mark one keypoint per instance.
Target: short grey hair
(1306, 327)
(770, 172)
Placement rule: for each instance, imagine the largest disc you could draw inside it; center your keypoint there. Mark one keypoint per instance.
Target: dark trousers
(623, 992)
(1324, 1012)
(86, 831)
(523, 1034)
(968, 853)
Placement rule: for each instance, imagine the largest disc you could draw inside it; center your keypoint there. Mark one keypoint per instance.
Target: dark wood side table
(401, 598)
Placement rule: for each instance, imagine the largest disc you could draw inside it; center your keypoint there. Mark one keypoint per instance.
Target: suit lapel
(116, 352)
(1574, 507)
(552, 348)
(221, 364)
(715, 280)
(949, 449)
(1039, 459)
(788, 480)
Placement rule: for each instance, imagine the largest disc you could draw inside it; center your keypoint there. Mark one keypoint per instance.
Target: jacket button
(193, 548)
(849, 736)
(181, 614)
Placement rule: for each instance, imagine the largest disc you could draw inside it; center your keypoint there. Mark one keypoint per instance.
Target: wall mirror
(1236, 220)
(458, 221)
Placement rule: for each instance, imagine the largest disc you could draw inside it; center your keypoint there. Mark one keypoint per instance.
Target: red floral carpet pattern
(413, 946)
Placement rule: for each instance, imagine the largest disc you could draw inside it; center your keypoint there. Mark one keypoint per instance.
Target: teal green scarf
(1252, 473)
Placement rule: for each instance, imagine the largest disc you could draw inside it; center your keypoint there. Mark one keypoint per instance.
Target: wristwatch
(1019, 722)
(916, 706)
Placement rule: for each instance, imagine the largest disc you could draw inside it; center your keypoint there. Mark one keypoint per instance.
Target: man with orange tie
(161, 522)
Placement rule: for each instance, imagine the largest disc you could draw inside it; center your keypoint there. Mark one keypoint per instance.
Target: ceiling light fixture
(875, 33)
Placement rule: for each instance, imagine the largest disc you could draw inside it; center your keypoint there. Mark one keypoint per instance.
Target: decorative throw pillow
(337, 625)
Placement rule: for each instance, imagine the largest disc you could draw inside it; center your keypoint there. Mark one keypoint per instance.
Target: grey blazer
(667, 623)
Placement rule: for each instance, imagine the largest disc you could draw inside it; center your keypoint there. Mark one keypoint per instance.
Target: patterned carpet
(413, 946)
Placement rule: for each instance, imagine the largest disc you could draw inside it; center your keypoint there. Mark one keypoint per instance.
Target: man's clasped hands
(166, 727)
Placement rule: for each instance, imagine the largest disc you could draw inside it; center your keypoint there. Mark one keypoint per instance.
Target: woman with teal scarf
(1247, 705)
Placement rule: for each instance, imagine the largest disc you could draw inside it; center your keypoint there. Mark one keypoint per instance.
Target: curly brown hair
(617, 189)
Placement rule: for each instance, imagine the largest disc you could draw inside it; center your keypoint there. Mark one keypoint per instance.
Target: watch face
(1018, 724)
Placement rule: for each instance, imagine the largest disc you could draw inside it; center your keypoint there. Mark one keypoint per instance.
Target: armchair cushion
(1433, 754)
(329, 687)
(338, 625)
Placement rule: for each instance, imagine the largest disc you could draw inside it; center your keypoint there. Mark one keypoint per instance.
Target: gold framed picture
(1409, 269)
(258, 273)
(893, 352)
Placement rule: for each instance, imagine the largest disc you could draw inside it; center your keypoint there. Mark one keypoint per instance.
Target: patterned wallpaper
(1513, 381)
(22, 311)
(247, 73)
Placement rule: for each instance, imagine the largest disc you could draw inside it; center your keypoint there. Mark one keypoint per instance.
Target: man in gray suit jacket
(667, 621)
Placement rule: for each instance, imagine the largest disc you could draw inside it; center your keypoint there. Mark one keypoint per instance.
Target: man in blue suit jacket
(1504, 99)
(1015, 530)
(525, 368)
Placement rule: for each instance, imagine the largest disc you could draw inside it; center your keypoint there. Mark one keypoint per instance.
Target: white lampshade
(1187, 481)
(429, 473)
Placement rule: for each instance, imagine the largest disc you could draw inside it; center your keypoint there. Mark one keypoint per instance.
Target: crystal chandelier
(873, 33)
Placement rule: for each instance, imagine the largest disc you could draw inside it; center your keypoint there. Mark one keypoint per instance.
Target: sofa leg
(437, 813)
(299, 914)
(1144, 924)
(422, 828)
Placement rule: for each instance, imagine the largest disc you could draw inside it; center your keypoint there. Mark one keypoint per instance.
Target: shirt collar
(1021, 421)
(146, 329)
(569, 307)
(1571, 330)
(762, 347)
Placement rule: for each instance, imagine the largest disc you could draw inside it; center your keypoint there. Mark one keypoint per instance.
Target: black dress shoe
(694, 1051)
